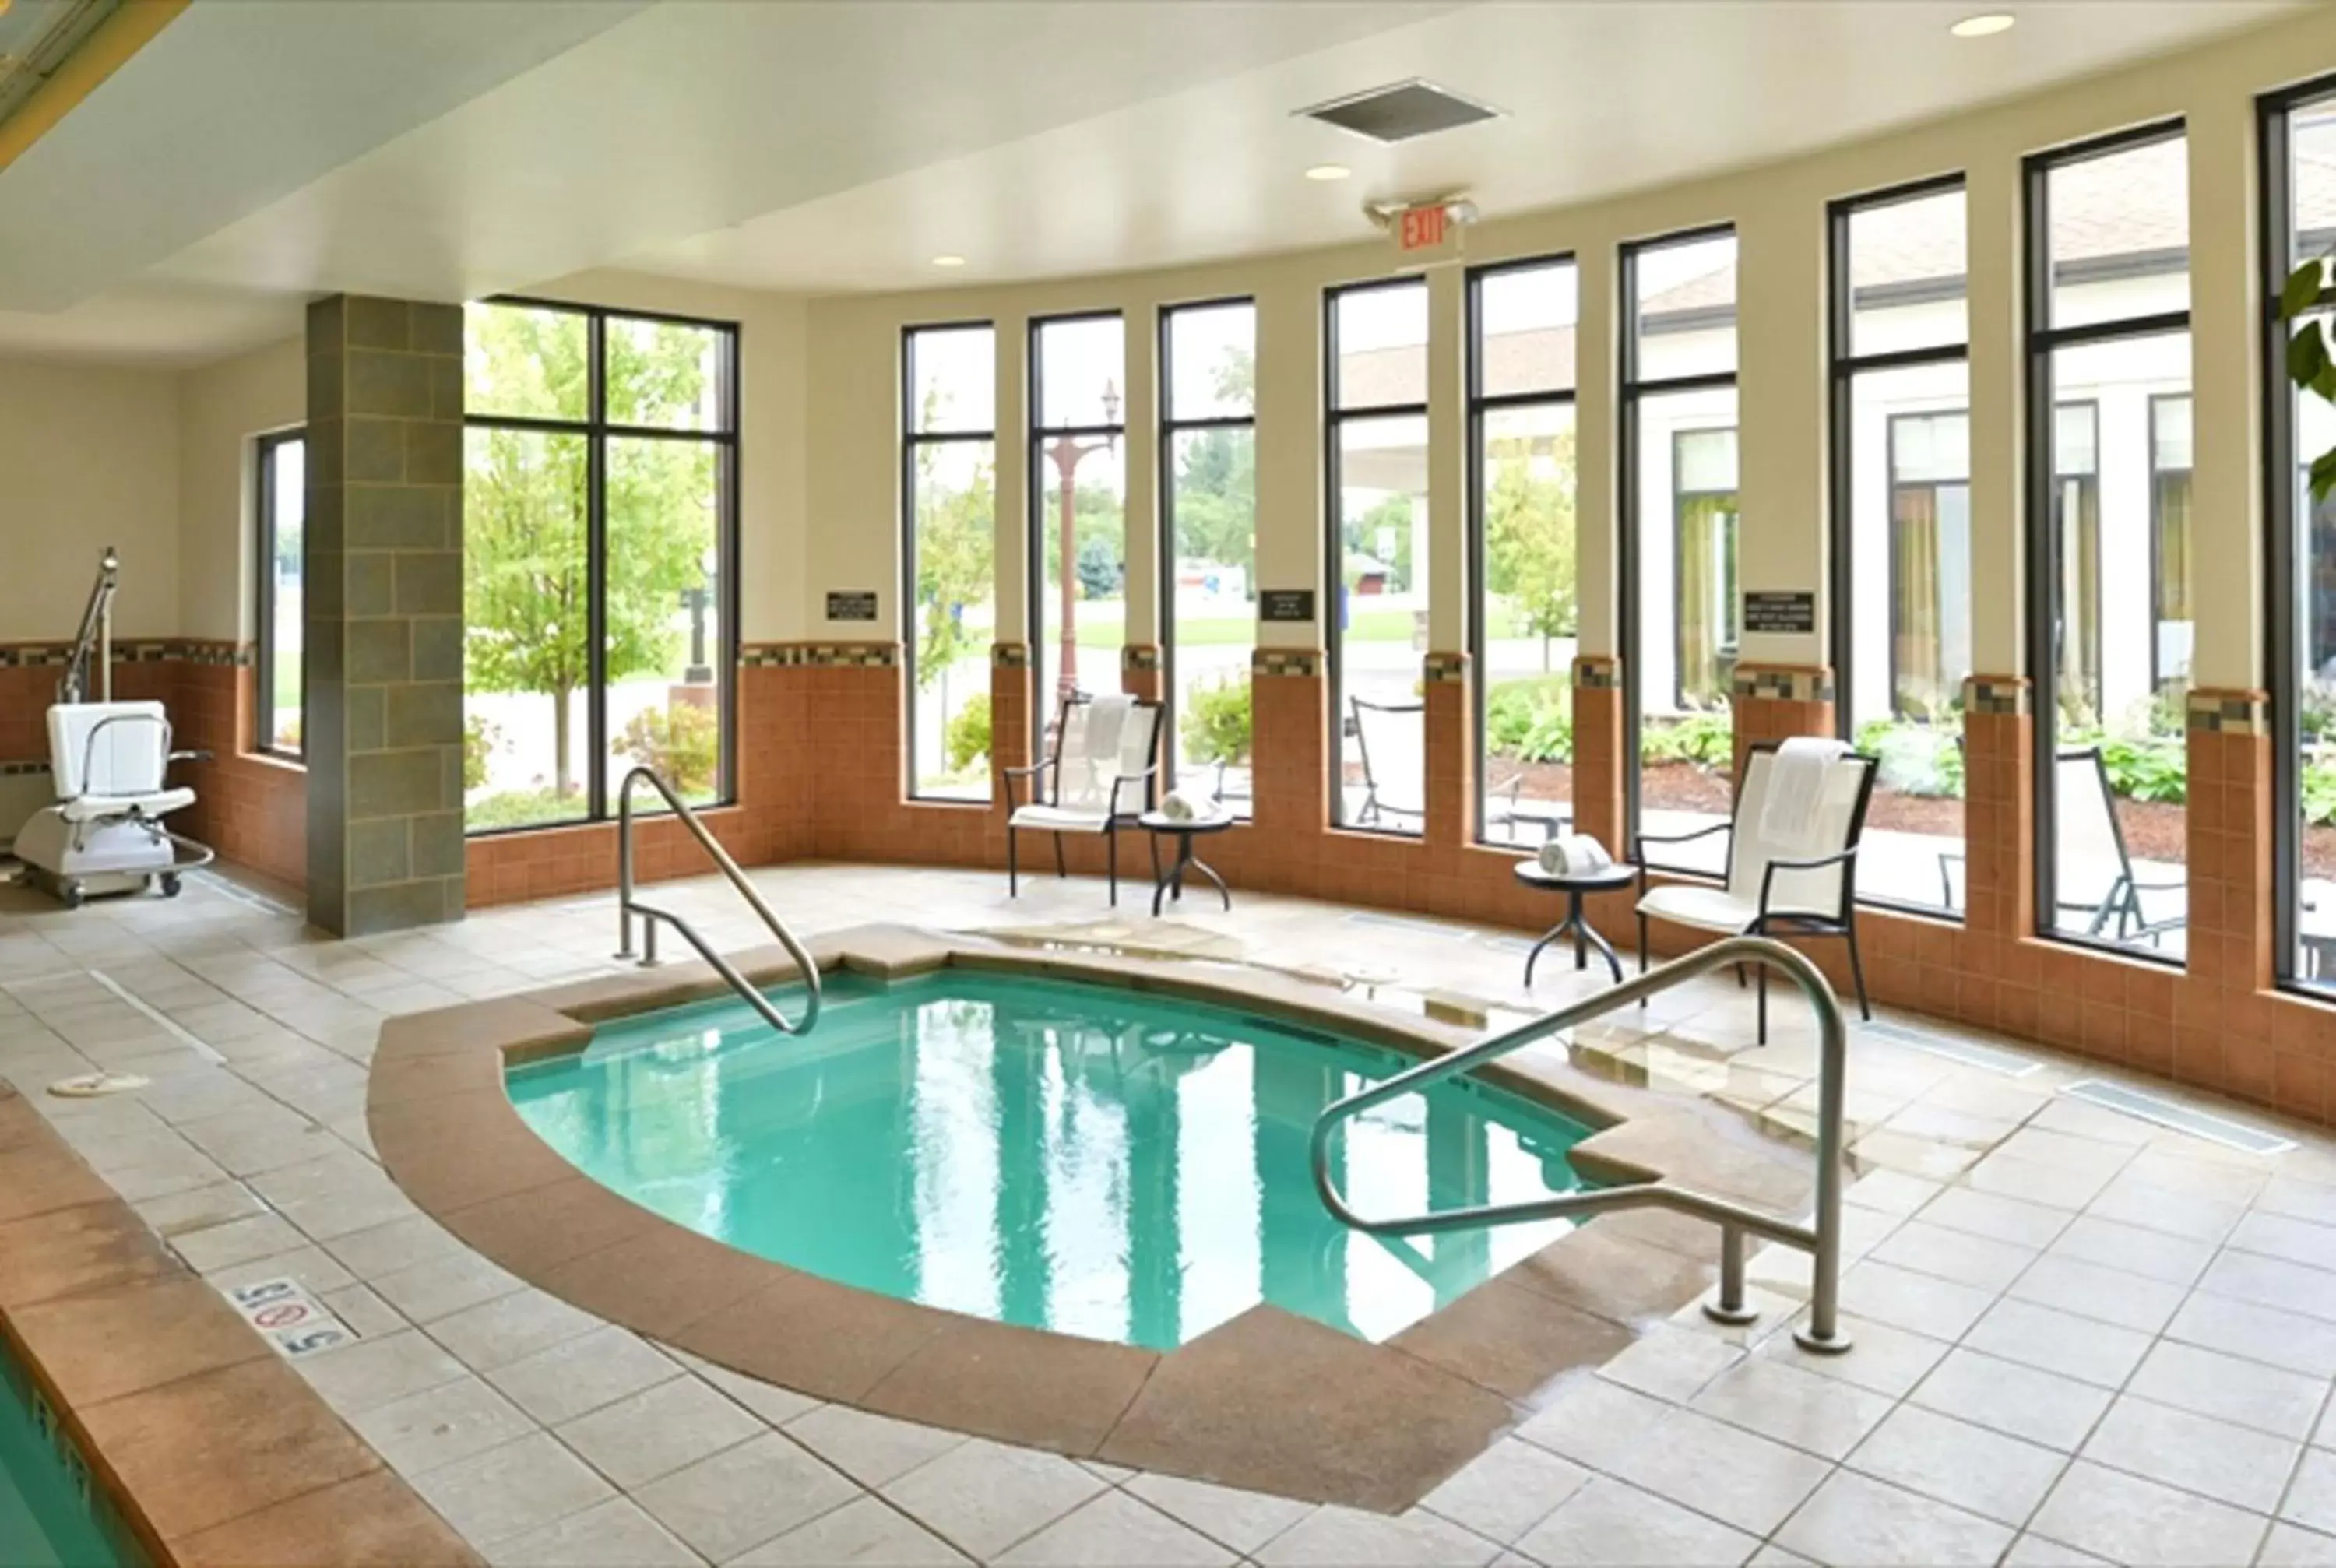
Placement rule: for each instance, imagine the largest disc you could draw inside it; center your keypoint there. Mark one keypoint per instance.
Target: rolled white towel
(1179, 807)
(1574, 854)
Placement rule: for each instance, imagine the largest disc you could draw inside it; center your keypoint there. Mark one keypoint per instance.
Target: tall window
(2299, 150)
(282, 462)
(1376, 432)
(948, 422)
(1900, 341)
(1521, 321)
(2169, 532)
(1678, 511)
(599, 486)
(1078, 520)
(1208, 555)
(2108, 342)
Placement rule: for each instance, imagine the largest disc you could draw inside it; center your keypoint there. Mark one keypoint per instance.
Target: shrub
(479, 738)
(1705, 739)
(1916, 758)
(523, 808)
(2319, 791)
(2155, 768)
(1218, 722)
(1530, 720)
(683, 743)
(965, 737)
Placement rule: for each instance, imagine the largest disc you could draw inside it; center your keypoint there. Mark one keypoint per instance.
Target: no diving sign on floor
(290, 1318)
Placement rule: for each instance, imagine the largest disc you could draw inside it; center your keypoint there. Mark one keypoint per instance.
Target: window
(1208, 541)
(1901, 501)
(2169, 531)
(1522, 323)
(599, 492)
(2108, 344)
(282, 462)
(949, 573)
(1375, 433)
(2299, 148)
(1078, 519)
(1677, 556)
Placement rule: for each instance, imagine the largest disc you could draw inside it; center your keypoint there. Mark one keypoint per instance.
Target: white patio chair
(1804, 887)
(2092, 873)
(1099, 775)
(1391, 740)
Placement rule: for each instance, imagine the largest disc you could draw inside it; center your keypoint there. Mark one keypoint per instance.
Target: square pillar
(385, 614)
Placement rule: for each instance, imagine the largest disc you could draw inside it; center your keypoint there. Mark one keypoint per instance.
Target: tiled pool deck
(2080, 1336)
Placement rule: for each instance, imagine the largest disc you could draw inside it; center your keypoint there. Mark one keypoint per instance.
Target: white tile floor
(2079, 1337)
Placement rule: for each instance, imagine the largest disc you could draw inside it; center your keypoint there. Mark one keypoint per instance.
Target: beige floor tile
(2267, 1398)
(1970, 1260)
(2134, 1249)
(2293, 1546)
(2257, 1333)
(1671, 1364)
(443, 1286)
(366, 1314)
(612, 1534)
(659, 1431)
(2302, 1200)
(1244, 1521)
(2272, 1282)
(870, 1531)
(2310, 1498)
(983, 1496)
(1332, 1537)
(1595, 1422)
(773, 1404)
(398, 1245)
(870, 1449)
(440, 1426)
(1854, 1519)
(513, 1489)
(1969, 1467)
(2036, 1551)
(2234, 1464)
(1778, 1399)
(370, 1373)
(1507, 1490)
(1610, 1524)
(578, 1376)
(1995, 1217)
(1891, 1192)
(742, 1497)
(2299, 1241)
(2012, 1175)
(2193, 1215)
(2058, 1341)
(1920, 1304)
(316, 1269)
(2023, 1401)
(497, 1332)
(1883, 1360)
(2125, 1519)
(1715, 1470)
(1115, 1531)
(244, 1240)
(2129, 1301)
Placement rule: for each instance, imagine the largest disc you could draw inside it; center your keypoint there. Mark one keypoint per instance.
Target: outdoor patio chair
(2092, 873)
(1804, 886)
(1098, 775)
(1391, 740)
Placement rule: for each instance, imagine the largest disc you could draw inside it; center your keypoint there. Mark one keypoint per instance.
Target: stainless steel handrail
(628, 906)
(1821, 1238)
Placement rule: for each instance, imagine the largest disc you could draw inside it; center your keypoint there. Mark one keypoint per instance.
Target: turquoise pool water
(49, 1516)
(1093, 1161)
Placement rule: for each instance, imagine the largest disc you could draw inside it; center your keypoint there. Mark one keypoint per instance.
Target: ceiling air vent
(1400, 112)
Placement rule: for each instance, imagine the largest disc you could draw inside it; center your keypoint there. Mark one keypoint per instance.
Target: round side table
(1183, 830)
(1574, 886)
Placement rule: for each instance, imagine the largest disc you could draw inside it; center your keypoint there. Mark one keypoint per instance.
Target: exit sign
(1428, 228)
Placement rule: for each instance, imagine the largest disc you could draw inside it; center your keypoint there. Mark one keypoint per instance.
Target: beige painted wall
(221, 408)
(89, 456)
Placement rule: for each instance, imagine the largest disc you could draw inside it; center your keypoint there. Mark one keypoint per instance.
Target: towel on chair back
(1794, 809)
(1090, 754)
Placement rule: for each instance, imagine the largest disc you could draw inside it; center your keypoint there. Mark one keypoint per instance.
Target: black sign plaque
(1286, 604)
(1794, 611)
(853, 604)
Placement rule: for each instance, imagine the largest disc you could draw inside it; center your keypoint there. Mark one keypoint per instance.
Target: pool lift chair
(108, 760)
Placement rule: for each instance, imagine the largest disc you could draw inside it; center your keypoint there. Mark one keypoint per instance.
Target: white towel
(1574, 854)
(1178, 806)
(1796, 789)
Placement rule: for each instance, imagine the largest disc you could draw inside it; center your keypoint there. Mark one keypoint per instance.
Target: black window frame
(1334, 419)
(1171, 428)
(1043, 702)
(597, 431)
(1631, 390)
(2288, 617)
(2041, 342)
(1480, 404)
(264, 652)
(913, 442)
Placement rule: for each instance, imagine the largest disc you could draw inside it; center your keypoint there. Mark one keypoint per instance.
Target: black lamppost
(697, 600)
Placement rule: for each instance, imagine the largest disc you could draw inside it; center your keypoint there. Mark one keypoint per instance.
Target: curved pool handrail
(1821, 1238)
(628, 906)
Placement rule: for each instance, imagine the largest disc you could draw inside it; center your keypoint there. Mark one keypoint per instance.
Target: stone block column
(385, 614)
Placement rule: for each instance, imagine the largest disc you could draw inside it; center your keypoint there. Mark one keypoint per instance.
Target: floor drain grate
(1970, 1053)
(2144, 1106)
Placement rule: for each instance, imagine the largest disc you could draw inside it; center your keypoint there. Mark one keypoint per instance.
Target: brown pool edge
(209, 1447)
(1268, 1402)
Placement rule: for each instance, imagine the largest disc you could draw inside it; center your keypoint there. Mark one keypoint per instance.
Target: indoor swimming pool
(50, 1515)
(1103, 1163)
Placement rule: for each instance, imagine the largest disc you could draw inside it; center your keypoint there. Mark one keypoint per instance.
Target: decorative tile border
(1782, 682)
(24, 768)
(1306, 661)
(1140, 658)
(821, 655)
(2229, 712)
(1598, 672)
(1009, 655)
(1446, 669)
(2004, 695)
(177, 650)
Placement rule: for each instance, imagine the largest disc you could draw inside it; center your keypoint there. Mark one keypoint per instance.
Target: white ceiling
(262, 150)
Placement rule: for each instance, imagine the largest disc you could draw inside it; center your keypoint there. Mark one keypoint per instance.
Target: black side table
(1183, 830)
(1573, 886)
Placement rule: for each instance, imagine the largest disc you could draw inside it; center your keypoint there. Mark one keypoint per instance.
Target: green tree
(1216, 479)
(956, 551)
(526, 589)
(1529, 538)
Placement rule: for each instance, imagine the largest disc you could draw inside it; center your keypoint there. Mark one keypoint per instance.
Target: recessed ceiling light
(1983, 25)
(949, 261)
(1329, 171)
